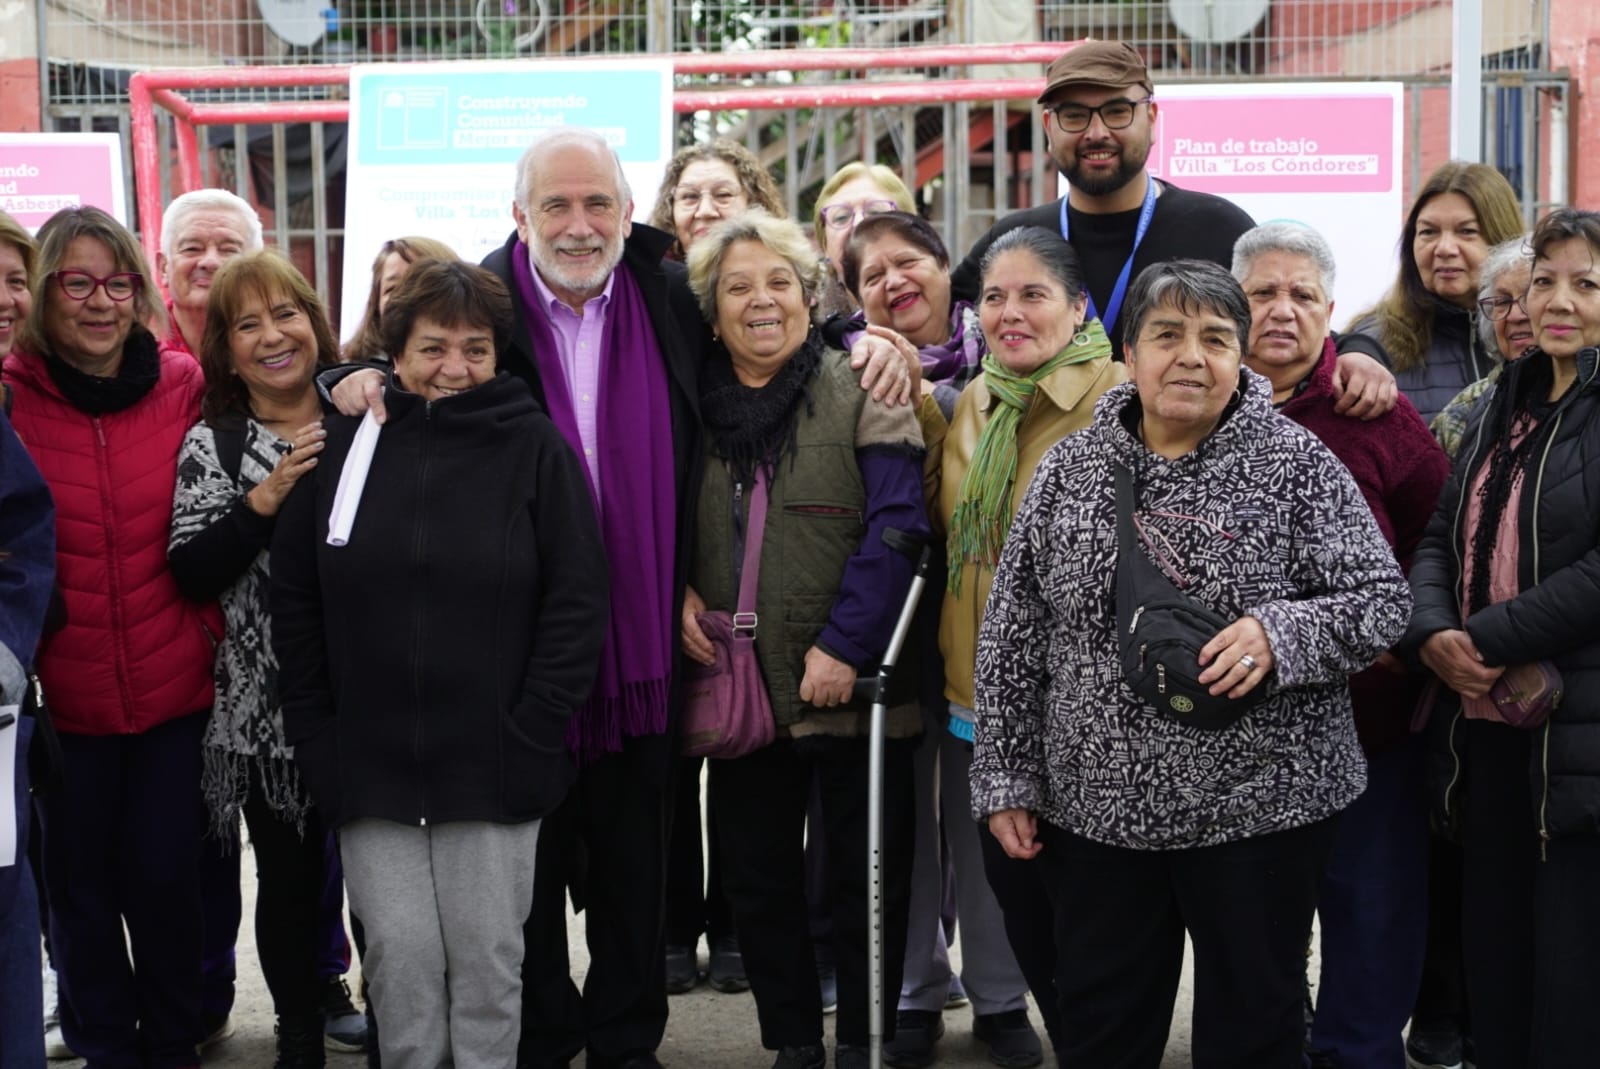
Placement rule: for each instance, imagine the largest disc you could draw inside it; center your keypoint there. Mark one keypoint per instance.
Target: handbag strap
(744, 617)
(1139, 581)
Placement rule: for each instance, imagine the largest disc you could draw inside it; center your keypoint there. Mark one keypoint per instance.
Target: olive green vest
(815, 522)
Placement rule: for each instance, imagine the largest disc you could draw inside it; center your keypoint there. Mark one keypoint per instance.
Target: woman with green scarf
(1045, 368)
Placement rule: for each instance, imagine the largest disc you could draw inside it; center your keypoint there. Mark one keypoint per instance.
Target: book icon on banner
(414, 118)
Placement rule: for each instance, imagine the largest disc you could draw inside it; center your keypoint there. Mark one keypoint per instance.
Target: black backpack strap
(5, 399)
(228, 432)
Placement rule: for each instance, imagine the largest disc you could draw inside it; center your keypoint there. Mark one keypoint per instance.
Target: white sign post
(434, 147)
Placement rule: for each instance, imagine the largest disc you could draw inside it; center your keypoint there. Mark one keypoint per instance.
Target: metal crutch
(877, 687)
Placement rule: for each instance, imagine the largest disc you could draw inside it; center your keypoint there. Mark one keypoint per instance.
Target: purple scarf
(636, 505)
(955, 362)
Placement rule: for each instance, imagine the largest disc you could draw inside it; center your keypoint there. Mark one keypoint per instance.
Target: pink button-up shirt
(578, 339)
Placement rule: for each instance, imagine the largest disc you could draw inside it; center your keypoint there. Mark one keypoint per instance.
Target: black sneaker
(727, 966)
(682, 970)
(851, 1056)
(1013, 1044)
(915, 1033)
(828, 986)
(344, 1028)
(1433, 1047)
(810, 1056)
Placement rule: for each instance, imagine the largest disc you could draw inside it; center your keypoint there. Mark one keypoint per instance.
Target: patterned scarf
(982, 514)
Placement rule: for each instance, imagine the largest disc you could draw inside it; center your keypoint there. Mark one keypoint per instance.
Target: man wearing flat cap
(1098, 110)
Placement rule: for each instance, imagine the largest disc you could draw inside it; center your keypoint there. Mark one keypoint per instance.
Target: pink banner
(38, 178)
(1289, 144)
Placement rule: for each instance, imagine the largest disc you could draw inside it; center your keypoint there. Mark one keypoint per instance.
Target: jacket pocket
(534, 776)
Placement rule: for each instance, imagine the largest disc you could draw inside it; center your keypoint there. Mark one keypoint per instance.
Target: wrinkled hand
(359, 391)
(828, 681)
(1454, 658)
(1365, 388)
(695, 644)
(1229, 672)
(267, 496)
(1015, 829)
(893, 366)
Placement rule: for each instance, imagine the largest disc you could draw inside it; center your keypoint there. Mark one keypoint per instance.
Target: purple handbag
(1526, 694)
(726, 709)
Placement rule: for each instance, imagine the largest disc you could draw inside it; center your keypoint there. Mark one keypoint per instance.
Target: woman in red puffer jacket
(129, 676)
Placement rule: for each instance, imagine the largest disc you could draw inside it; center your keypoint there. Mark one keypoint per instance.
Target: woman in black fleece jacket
(1509, 574)
(429, 666)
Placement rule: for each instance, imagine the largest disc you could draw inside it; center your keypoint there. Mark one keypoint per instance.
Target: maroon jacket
(1400, 469)
(134, 653)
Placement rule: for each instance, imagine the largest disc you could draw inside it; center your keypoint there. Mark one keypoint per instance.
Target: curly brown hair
(759, 188)
(263, 275)
(367, 342)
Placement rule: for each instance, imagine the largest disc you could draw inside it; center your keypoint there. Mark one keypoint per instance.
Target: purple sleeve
(877, 577)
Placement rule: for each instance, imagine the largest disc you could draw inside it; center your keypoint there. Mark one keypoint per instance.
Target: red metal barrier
(148, 90)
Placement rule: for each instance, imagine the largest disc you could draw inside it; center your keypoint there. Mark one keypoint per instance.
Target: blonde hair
(782, 236)
(886, 179)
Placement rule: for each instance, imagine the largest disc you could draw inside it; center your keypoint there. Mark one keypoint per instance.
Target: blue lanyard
(1120, 290)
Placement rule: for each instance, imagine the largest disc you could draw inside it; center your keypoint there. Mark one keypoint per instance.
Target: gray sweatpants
(443, 908)
(989, 970)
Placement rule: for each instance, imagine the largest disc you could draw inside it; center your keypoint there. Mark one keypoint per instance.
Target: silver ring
(1249, 662)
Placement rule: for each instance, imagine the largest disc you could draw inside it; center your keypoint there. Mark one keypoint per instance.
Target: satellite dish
(1216, 22)
(297, 22)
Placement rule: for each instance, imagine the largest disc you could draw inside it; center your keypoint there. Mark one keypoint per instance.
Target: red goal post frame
(164, 88)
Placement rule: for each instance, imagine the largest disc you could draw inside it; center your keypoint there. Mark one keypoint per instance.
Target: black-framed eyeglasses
(80, 285)
(1116, 114)
(842, 216)
(1498, 306)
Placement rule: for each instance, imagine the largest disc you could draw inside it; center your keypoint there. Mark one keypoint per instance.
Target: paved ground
(707, 1030)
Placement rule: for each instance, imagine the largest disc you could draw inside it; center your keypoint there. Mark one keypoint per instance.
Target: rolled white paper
(347, 497)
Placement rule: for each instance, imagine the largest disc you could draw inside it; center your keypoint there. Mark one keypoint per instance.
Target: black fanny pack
(1161, 632)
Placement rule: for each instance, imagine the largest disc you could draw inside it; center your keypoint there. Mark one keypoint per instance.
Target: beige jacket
(1063, 403)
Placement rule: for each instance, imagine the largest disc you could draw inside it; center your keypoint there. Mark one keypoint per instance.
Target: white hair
(1297, 239)
(209, 200)
(571, 135)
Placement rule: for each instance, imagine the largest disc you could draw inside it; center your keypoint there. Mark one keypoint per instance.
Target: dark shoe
(1433, 1047)
(1013, 1044)
(344, 1028)
(1320, 1059)
(727, 966)
(647, 1060)
(915, 1033)
(682, 973)
(214, 1030)
(810, 1056)
(300, 1042)
(850, 1056)
(956, 997)
(828, 982)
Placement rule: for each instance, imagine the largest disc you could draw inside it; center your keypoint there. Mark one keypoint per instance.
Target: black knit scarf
(97, 395)
(1519, 426)
(755, 425)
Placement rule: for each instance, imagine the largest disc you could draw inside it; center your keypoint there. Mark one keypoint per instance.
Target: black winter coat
(429, 667)
(1556, 614)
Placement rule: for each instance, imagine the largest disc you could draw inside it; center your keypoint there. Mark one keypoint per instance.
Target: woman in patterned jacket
(266, 336)
(1145, 827)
